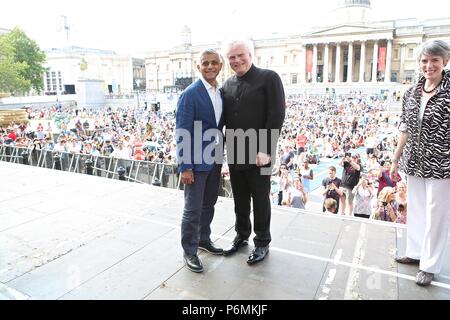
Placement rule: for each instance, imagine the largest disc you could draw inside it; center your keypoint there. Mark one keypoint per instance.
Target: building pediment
(346, 29)
(348, 32)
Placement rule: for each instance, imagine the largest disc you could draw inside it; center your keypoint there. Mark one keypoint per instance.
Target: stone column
(362, 61)
(387, 72)
(302, 64)
(401, 74)
(375, 61)
(314, 64)
(350, 62)
(325, 63)
(337, 77)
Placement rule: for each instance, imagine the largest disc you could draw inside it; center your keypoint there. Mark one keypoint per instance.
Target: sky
(139, 26)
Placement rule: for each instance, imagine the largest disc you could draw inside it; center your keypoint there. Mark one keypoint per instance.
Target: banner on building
(381, 58)
(309, 60)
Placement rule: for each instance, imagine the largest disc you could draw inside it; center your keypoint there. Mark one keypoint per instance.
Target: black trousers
(250, 185)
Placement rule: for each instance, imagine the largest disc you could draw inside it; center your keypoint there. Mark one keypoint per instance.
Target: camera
(348, 154)
(384, 204)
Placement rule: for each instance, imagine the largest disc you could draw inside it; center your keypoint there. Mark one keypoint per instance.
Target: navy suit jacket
(195, 105)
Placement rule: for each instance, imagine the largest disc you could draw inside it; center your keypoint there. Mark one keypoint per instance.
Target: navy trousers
(199, 200)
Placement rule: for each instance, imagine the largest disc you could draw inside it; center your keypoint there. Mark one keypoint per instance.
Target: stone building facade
(353, 53)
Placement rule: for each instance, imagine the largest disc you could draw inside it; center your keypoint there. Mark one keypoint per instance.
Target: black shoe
(407, 260)
(209, 247)
(234, 246)
(193, 263)
(258, 254)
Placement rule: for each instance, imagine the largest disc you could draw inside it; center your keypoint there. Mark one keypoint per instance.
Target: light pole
(137, 92)
(138, 84)
(157, 79)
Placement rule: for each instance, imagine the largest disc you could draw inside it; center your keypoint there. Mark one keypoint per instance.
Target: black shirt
(350, 176)
(332, 193)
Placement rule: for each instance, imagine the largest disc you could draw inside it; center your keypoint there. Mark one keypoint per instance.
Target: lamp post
(157, 79)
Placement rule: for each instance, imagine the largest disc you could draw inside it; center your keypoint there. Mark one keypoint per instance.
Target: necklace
(430, 91)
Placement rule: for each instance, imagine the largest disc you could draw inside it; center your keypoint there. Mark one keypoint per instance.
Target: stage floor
(72, 236)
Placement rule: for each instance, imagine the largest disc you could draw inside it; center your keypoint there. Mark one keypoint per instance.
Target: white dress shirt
(216, 99)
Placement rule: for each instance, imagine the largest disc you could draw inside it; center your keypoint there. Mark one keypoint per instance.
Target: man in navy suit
(199, 123)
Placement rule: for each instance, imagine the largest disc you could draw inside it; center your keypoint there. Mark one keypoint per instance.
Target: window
(259, 61)
(285, 60)
(179, 65)
(167, 66)
(319, 56)
(293, 78)
(294, 58)
(409, 75)
(410, 53)
(396, 54)
(394, 76)
(272, 60)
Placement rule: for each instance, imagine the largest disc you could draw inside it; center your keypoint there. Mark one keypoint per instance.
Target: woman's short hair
(385, 193)
(434, 47)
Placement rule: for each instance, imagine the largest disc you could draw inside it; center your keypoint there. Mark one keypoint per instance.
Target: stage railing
(155, 173)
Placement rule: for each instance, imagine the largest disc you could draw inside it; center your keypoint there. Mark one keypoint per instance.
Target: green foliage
(20, 63)
(83, 64)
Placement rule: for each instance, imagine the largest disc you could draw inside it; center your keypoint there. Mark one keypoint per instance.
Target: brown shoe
(424, 278)
(407, 260)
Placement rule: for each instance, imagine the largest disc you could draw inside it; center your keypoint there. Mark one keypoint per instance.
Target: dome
(357, 3)
(186, 29)
(352, 11)
(186, 36)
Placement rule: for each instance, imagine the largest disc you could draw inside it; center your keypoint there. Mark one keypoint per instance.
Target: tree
(11, 79)
(26, 58)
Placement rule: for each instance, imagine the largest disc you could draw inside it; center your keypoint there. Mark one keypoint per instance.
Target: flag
(309, 60)
(381, 58)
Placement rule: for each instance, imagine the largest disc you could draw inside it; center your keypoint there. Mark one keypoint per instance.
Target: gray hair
(434, 47)
(208, 51)
(248, 44)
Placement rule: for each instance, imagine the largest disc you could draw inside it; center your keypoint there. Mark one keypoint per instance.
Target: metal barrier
(155, 173)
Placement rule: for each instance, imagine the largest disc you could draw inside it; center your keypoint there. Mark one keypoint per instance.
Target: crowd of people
(361, 134)
(126, 132)
(315, 128)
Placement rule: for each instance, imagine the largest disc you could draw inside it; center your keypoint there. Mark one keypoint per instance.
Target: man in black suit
(254, 107)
